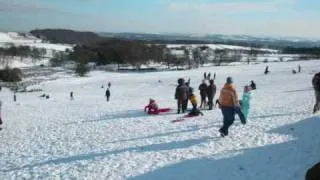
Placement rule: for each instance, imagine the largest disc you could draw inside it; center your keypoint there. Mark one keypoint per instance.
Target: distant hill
(86, 38)
(239, 40)
(67, 36)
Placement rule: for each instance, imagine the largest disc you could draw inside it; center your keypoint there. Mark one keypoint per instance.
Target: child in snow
(108, 94)
(152, 108)
(245, 102)
(195, 111)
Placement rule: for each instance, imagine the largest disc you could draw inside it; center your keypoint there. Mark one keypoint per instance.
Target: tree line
(8, 53)
(137, 53)
(304, 50)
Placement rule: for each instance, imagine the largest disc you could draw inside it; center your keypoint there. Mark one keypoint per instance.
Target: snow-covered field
(219, 46)
(31, 41)
(89, 138)
(12, 38)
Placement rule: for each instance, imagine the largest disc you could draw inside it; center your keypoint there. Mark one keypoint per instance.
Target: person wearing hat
(228, 102)
(181, 95)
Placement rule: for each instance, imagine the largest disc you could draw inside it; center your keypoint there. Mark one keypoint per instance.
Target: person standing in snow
(203, 93)
(214, 76)
(266, 71)
(190, 91)
(299, 68)
(71, 96)
(245, 102)
(209, 75)
(228, 102)
(109, 85)
(0, 114)
(211, 92)
(108, 94)
(204, 75)
(181, 95)
(316, 86)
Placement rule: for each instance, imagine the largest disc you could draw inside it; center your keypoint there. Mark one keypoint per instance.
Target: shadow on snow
(285, 161)
(94, 155)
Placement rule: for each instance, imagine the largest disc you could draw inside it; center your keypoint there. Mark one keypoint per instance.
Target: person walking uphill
(316, 86)
(228, 103)
(181, 95)
(211, 92)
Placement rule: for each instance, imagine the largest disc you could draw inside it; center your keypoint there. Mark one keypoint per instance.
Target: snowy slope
(31, 41)
(89, 138)
(12, 38)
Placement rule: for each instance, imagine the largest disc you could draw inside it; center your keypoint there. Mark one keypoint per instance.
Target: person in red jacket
(152, 108)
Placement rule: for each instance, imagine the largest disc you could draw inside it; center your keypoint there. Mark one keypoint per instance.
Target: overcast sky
(251, 17)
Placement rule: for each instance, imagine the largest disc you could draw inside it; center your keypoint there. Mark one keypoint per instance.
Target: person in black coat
(209, 76)
(71, 96)
(203, 93)
(253, 85)
(108, 94)
(211, 92)
(266, 71)
(316, 87)
(189, 93)
(181, 95)
(313, 173)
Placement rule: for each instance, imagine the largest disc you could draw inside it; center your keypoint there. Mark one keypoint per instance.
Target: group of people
(230, 104)
(185, 93)
(228, 101)
(299, 70)
(108, 93)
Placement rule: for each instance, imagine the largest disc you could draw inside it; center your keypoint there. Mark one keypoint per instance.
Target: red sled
(159, 111)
